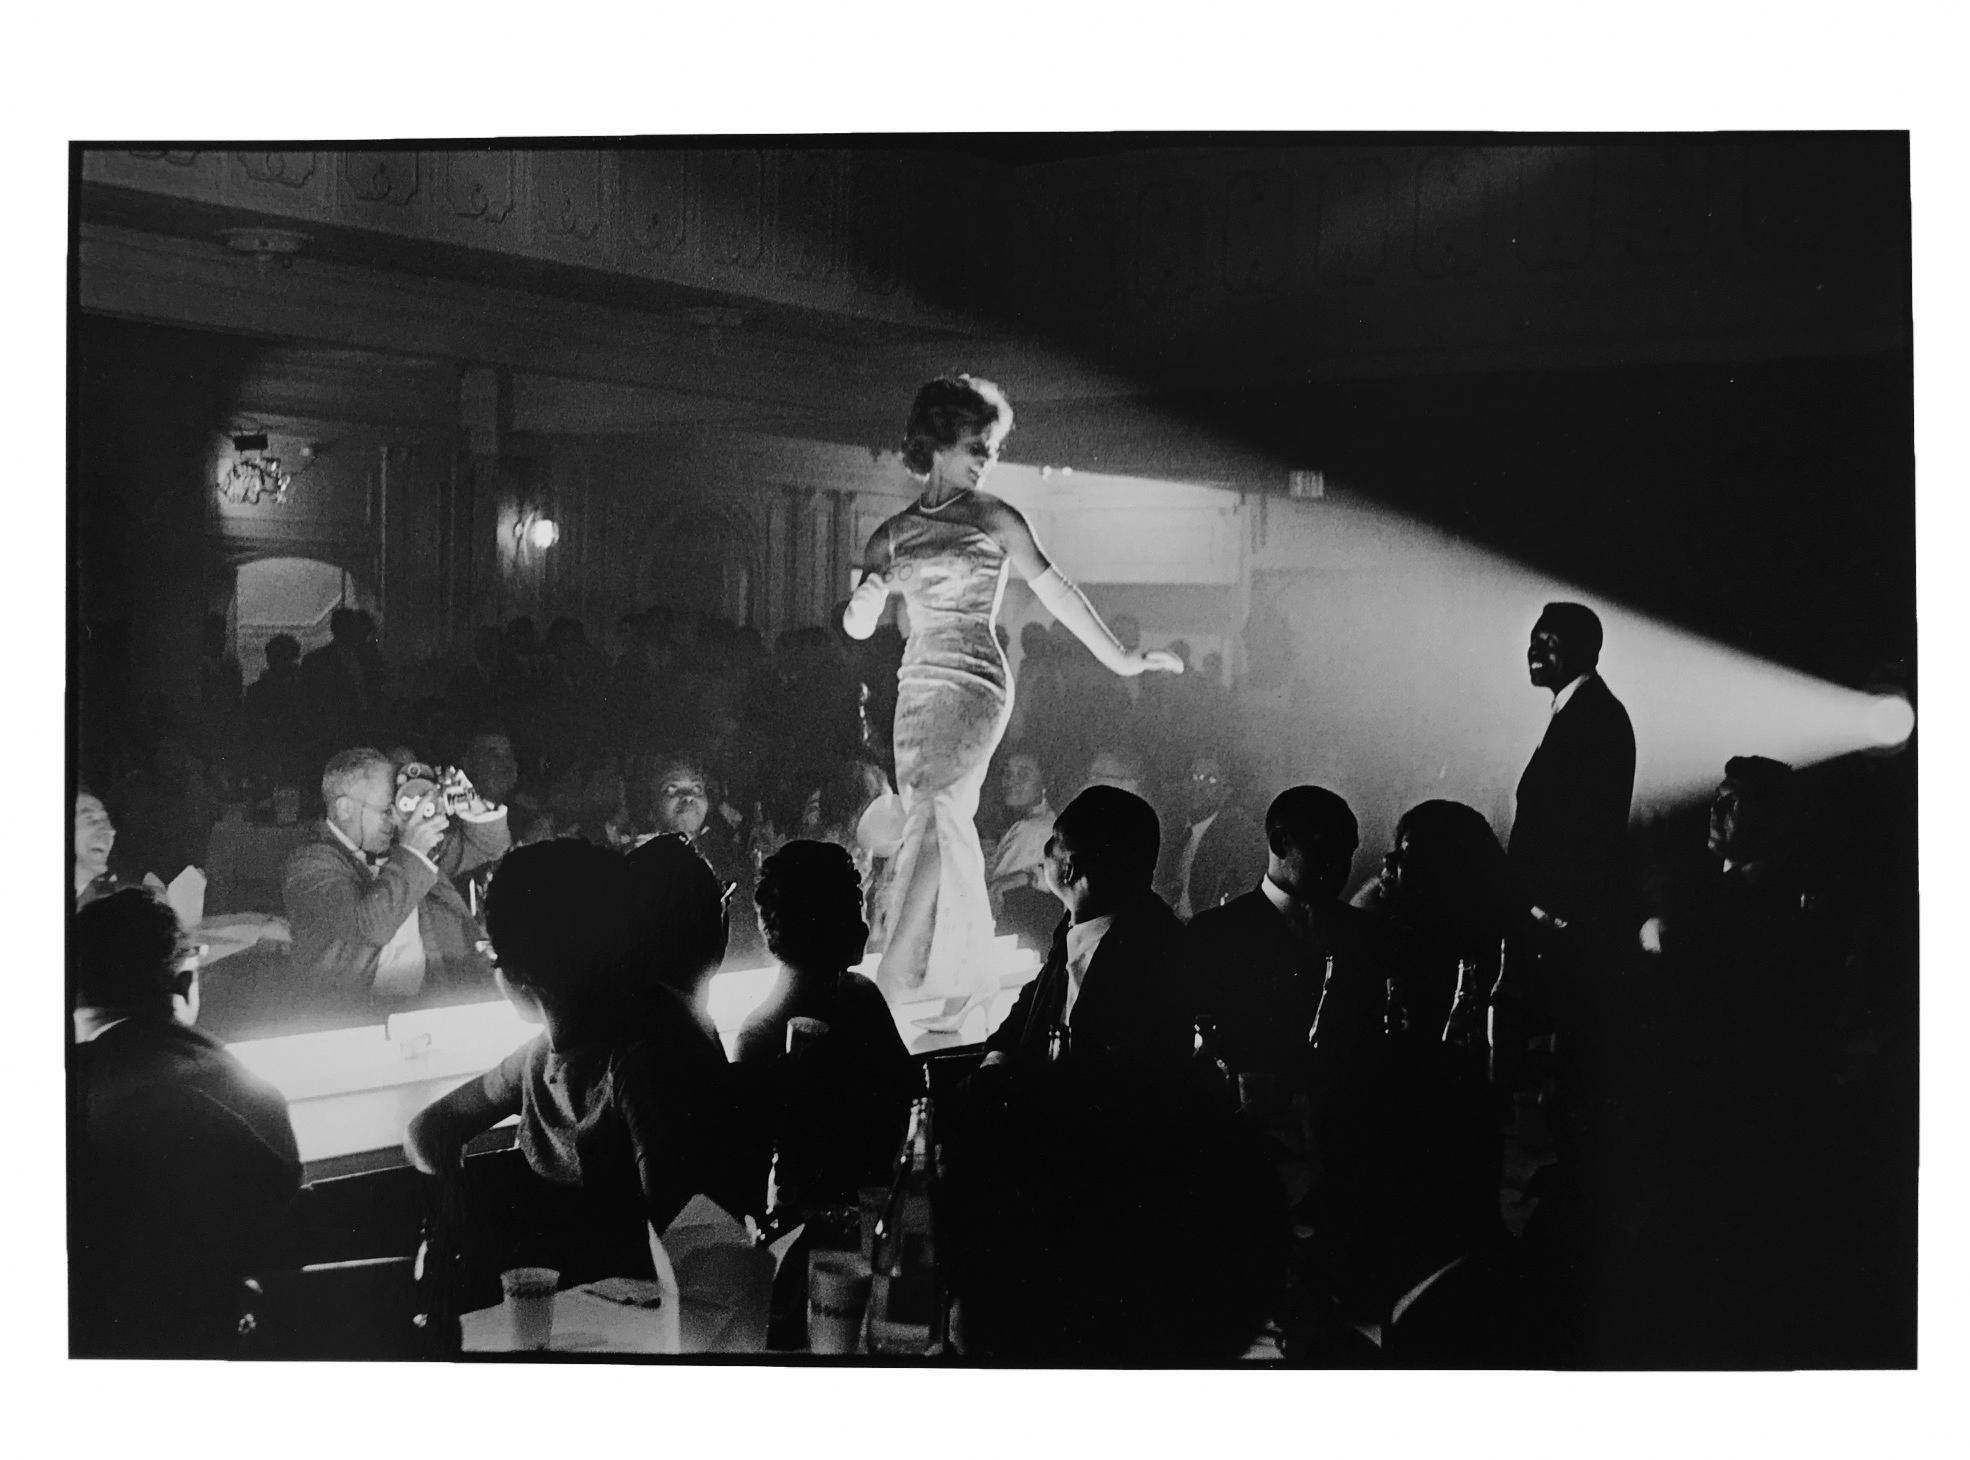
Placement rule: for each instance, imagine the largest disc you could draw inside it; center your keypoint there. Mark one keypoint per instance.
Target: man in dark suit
(1569, 843)
(1220, 852)
(186, 1168)
(1116, 975)
(1260, 960)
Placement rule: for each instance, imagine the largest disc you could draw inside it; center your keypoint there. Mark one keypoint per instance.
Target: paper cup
(837, 1291)
(530, 1304)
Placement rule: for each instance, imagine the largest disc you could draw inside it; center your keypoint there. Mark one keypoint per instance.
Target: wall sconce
(252, 475)
(540, 530)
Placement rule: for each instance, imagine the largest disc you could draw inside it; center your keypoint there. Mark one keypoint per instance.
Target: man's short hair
(348, 769)
(1307, 817)
(125, 948)
(1579, 630)
(677, 915)
(1116, 835)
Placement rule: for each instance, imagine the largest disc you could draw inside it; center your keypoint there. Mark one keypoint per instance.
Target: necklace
(922, 506)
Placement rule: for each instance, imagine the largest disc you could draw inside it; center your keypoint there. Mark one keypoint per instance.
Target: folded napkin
(722, 1280)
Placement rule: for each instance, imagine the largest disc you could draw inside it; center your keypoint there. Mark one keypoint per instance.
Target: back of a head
(1105, 1216)
(555, 913)
(1579, 630)
(1116, 836)
(283, 651)
(678, 928)
(125, 950)
(810, 906)
(1451, 861)
(1320, 824)
(348, 770)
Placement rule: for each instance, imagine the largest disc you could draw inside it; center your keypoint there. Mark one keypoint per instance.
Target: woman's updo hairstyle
(948, 408)
(810, 905)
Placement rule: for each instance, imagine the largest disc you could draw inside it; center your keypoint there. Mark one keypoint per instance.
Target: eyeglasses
(1206, 778)
(683, 788)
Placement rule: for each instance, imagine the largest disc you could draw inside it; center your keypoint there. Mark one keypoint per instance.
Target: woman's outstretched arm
(1065, 601)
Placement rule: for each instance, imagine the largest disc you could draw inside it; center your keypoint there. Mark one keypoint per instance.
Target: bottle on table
(1395, 1011)
(1464, 1029)
(906, 1301)
(1060, 1042)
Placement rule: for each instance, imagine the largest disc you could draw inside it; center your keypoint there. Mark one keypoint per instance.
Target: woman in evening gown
(948, 554)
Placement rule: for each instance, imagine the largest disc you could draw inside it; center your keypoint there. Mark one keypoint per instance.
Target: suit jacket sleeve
(324, 891)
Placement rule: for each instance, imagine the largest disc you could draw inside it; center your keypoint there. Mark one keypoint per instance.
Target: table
(584, 1323)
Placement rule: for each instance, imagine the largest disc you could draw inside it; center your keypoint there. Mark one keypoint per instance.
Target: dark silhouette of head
(810, 906)
(1753, 814)
(1311, 835)
(343, 626)
(128, 957)
(678, 926)
(1449, 871)
(283, 653)
(1108, 1217)
(1107, 838)
(555, 912)
(1565, 643)
(947, 410)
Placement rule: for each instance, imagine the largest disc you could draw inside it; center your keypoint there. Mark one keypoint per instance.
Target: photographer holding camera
(373, 917)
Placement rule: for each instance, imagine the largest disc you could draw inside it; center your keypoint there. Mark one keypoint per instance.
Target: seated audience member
(625, 1102)
(1410, 1266)
(1260, 960)
(679, 917)
(372, 915)
(1444, 895)
(491, 765)
(187, 1163)
(1021, 905)
(95, 838)
(833, 1099)
(1103, 1216)
(1221, 851)
(1119, 765)
(1117, 975)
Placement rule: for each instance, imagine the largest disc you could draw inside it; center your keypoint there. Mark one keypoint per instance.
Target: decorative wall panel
(655, 204)
(1450, 214)
(568, 206)
(179, 173)
(280, 182)
(808, 214)
(1352, 241)
(1169, 241)
(478, 192)
(733, 184)
(1553, 207)
(379, 190)
(1258, 221)
(876, 221)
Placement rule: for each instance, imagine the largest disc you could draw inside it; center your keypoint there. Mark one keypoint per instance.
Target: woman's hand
(1150, 661)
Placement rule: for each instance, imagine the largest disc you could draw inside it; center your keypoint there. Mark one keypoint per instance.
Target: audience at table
(186, 1166)
(1700, 1084)
(823, 1068)
(624, 1098)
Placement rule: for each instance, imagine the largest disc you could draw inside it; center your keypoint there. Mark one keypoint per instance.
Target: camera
(422, 790)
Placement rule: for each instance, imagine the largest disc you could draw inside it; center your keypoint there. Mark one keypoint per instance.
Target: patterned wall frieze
(1258, 230)
(654, 188)
(478, 192)
(1553, 207)
(381, 190)
(733, 183)
(807, 215)
(1355, 211)
(184, 174)
(569, 205)
(1450, 214)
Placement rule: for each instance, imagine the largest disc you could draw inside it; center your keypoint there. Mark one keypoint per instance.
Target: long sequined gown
(954, 696)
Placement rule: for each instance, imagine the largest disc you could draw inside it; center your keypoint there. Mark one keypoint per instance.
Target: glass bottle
(904, 1299)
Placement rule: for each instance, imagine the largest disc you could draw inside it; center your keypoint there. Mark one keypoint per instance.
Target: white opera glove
(864, 610)
(1068, 604)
